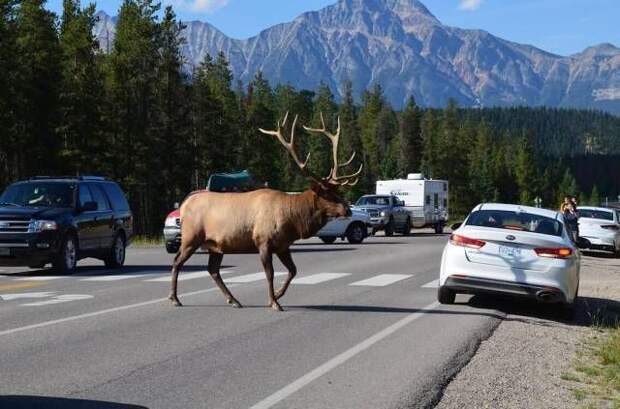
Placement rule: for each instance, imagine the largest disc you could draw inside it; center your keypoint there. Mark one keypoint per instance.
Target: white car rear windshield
(516, 221)
(595, 214)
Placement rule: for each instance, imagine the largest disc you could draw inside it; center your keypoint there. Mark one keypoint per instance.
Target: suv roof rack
(100, 178)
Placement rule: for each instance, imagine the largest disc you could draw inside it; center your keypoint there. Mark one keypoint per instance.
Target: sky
(560, 26)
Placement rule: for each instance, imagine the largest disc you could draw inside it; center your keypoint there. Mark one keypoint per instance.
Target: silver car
(600, 226)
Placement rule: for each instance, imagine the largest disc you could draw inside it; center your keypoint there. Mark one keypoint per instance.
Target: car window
(596, 214)
(99, 197)
(40, 194)
(116, 196)
(85, 195)
(518, 221)
(374, 200)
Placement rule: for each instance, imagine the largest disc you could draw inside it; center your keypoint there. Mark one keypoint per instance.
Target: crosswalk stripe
(381, 280)
(40, 278)
(114, 277)
(319, 278)
(186, 276)
(250, 278)
(432, 284)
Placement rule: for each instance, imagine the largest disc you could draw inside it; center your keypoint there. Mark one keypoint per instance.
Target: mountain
(402, 46)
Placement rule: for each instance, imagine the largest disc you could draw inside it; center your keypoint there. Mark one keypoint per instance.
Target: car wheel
(116, 256)
(407, 227)
(355, 233)
(66, 260)
(389, 228)
(328, 240)
(172, 248)
(445, 295)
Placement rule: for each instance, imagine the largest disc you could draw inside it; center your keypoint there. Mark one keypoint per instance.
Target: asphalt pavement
(361, 329)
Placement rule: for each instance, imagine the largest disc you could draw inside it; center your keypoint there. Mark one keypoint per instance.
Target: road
(361, 329)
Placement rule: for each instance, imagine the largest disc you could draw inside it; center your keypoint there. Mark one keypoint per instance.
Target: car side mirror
(89, 207)
(456, 225)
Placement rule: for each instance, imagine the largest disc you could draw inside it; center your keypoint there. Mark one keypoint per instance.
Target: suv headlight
(37, 226)
(383, 214)
(171, 222)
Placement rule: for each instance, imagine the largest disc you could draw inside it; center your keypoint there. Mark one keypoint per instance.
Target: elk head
(327, 189)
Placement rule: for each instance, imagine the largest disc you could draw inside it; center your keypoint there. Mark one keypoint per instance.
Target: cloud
(201, 6)
(470, 5)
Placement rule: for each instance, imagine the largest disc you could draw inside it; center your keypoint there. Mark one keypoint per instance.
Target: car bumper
(31, 249)
(458, 271)
(600, 241)
(378, 222)
(172, 235)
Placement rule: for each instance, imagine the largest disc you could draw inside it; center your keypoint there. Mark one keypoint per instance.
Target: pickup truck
(386, 213)
(355, 228)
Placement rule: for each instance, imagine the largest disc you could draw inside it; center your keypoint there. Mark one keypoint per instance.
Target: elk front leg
(287, 260)
(266, 258)
(182, 256)
(215, 261)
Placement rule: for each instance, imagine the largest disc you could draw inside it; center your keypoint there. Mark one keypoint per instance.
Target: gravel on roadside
(521, 364)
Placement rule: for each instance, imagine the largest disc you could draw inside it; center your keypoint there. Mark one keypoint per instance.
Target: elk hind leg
(266, 258)
(215, 261)
(182, 256)
(287, 260)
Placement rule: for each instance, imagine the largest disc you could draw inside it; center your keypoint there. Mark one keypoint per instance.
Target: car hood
(40, 213)
(365, 208)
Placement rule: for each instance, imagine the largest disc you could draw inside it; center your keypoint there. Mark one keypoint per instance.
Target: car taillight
(610, 227)
(466, 242)
(562, 252)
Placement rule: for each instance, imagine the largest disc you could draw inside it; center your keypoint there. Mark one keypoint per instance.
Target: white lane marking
(432, 284)
(59, 300)
(40, 278)
(319, 278)
(338, 360)
(381, 280)
(115, 277)
(101, 312)
(186, 276)
(250, 278)
(9, 297)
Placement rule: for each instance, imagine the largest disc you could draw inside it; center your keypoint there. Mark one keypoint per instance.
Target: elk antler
(333, 178)
(290, 147)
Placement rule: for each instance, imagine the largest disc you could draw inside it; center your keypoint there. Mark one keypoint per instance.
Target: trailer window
(428, 199)
(445, 203)
(436, 200)
(445, 187)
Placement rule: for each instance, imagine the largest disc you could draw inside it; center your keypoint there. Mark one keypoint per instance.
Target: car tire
(407, 227)
(116, 255)
(328, 240)
(389, 228)
(172, 248)
(65, 261)
(355, 233)
(446, 295)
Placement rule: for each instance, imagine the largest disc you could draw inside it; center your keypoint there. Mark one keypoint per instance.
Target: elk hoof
(175, 301)
(235, 303)
(276, 307)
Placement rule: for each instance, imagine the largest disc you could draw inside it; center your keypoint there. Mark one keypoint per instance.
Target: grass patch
(597, 370)
(147, 241)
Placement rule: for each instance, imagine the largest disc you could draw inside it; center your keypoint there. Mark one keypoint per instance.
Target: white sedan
(600, 226)
(511, 249)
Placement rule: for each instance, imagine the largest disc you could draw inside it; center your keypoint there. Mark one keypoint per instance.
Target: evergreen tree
(387, 142)
(409, 139)
(567, 187)
(595, 197)
(9, 142)
(319, 146)
(481, 166)
(350, 141)
(372, 105)
(525, 172)
(430, 144)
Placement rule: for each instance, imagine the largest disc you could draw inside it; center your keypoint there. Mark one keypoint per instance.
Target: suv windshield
(39, 194)
(595, 214)
(373, 200)
(519, 221)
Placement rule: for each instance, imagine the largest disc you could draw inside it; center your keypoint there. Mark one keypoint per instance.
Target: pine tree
(525, 172)
(567, 187)
(481, 166)
(409, 139)
(387, 142)
(372, 105)
(430, 144)
(9, 141)
(37, 88)
(595, 197)
(351, 141)
(320, 147)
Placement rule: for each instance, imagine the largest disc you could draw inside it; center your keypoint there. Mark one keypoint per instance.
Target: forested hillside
(134, 116)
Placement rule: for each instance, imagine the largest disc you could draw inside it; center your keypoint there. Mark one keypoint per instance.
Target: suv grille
(14, 226)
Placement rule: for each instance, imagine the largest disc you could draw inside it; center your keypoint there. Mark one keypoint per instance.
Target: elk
(265, 221)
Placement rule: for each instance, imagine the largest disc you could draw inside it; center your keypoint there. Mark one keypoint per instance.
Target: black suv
(60, 220)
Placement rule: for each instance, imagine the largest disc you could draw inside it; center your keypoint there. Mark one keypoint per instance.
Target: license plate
(506, 251)
(5, 251)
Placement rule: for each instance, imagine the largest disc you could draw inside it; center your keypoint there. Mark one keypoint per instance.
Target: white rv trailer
(425, 199)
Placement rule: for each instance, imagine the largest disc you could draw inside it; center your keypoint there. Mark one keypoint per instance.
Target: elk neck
(306, 214)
